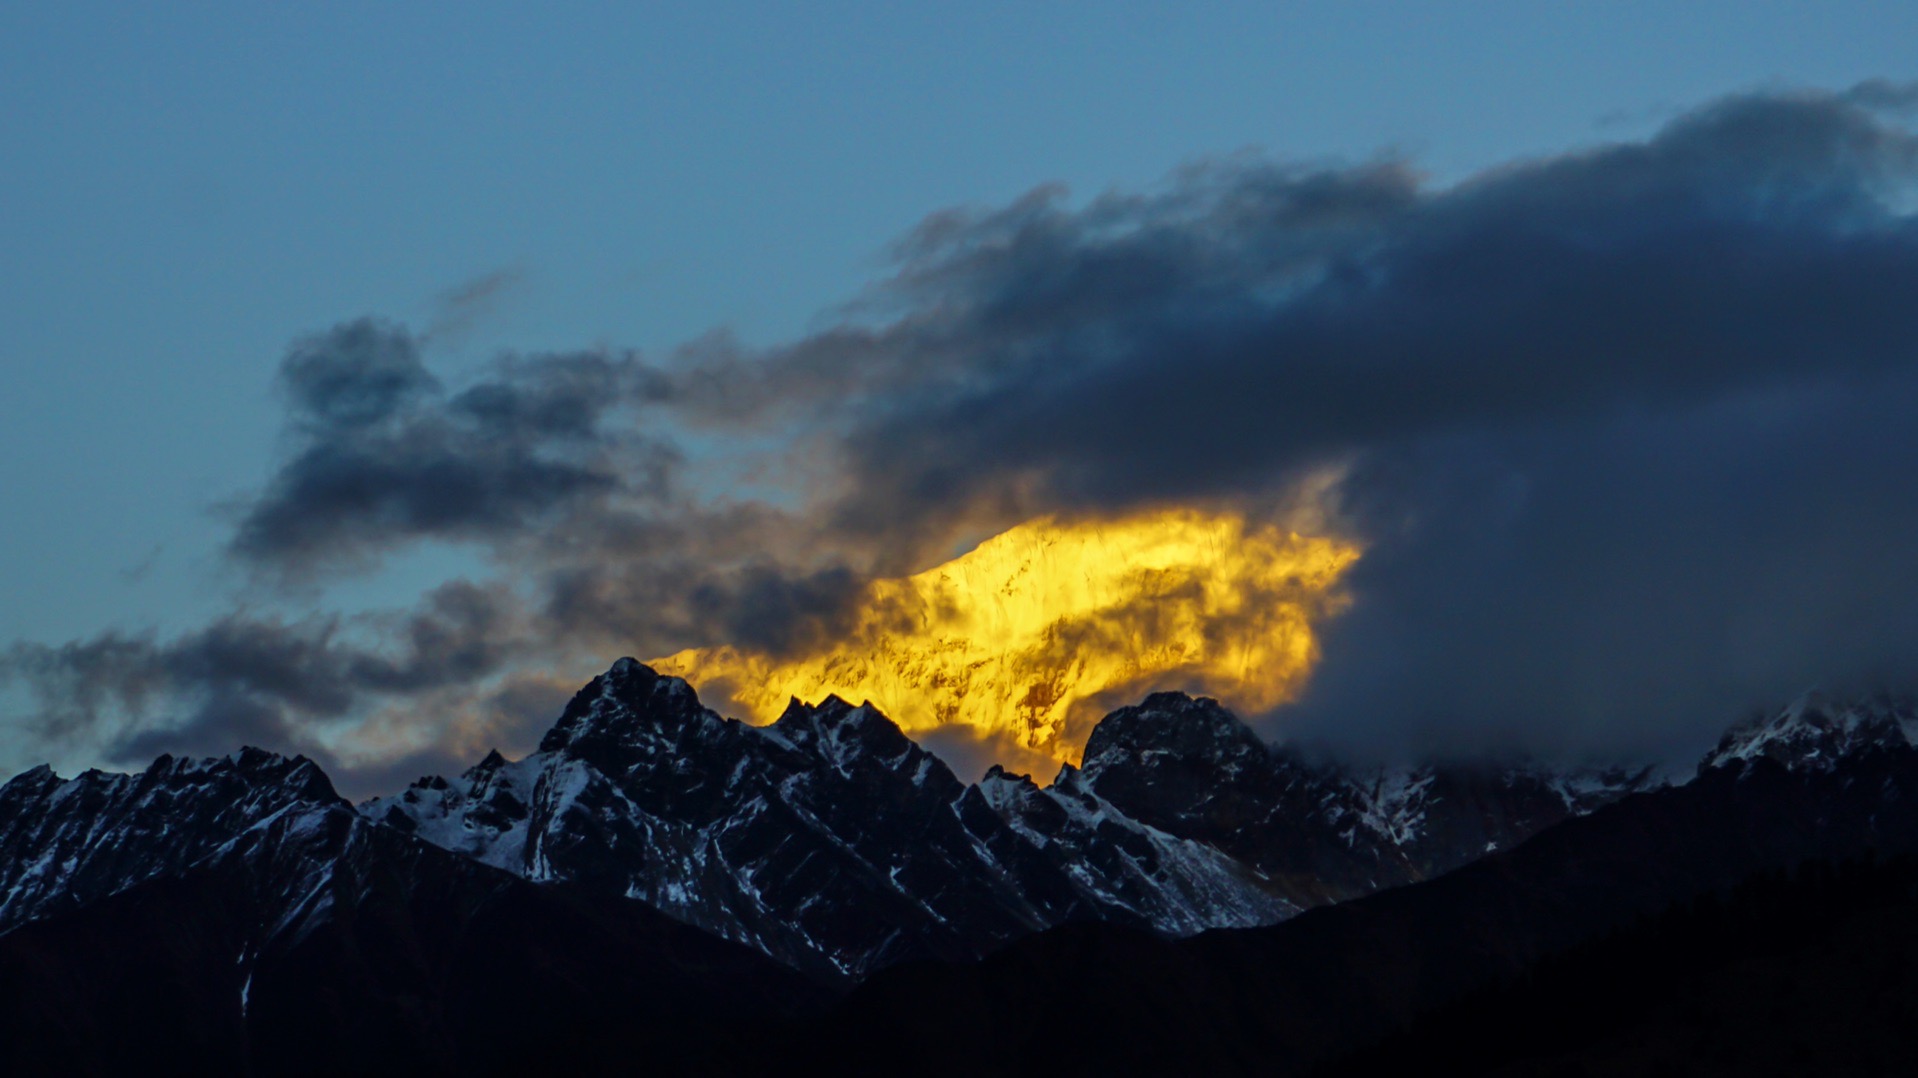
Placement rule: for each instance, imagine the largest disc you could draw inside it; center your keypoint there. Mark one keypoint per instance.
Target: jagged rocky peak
(833, 727)
(66, 842)
(832, 841)
(1172, 737)
(1170, 726)
(999, 784)
(297, 774)
(630, 702)
(481, 813)
(824, 718)
(1012, 795)
(30, 783)
(1815, 733)
(243, 772)
(486, 774)
(1190, 767)
(852, 739)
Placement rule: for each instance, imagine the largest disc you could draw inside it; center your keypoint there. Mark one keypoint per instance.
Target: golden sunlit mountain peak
(1023, 640)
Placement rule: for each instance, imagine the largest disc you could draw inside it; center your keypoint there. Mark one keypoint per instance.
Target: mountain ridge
(832, 842)
(654, 850)
(640, 788)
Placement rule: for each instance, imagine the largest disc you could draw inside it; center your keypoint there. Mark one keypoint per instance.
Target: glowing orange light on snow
(1030, 635)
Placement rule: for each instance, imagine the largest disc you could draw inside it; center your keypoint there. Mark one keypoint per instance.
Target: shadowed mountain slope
(1810, 972)
(1093, 999)
(831, 841)
(320, 944)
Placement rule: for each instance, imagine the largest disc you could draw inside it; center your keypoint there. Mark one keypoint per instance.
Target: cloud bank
(1625, 433)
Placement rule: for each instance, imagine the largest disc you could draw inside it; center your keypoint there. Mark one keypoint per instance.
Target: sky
(382, 373)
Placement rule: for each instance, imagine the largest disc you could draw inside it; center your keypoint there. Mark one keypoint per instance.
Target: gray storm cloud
(385, 456)
(1625, 433)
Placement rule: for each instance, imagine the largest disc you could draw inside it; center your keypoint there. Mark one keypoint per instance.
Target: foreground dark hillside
(1814, 971)
(1284, 999)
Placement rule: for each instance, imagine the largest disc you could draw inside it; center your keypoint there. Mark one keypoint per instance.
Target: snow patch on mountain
(67, 842)
(1814, 733)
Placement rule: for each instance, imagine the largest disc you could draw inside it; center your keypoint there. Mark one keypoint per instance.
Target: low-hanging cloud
(1624, 434)
(1629, 582)
(261, 679)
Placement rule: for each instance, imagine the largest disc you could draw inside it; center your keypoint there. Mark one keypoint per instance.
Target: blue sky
(189, 187)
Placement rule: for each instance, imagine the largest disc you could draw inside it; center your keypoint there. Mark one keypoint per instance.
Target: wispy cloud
(460, 310)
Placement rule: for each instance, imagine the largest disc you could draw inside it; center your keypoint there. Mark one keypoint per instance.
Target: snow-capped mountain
(831, 841)
(65, 843)
(1815, 733)
(1318, 831)
(236, 916)
(827, 839)
(1602, 942)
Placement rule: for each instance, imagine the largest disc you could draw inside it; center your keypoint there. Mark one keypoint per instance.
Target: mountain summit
(1817, 733)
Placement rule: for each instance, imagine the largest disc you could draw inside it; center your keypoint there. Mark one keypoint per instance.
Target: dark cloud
(1628, 582)
(1264, 320)
(357, 375)
(261, 680)
(764, 608)
(459, 634)
(663, 603)
(1885, 94)
(383, 455)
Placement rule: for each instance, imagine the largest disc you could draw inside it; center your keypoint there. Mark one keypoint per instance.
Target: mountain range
(658, 879)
